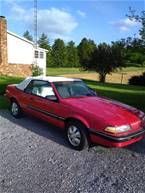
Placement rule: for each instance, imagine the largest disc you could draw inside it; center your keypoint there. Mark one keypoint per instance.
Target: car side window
(29, 88)
(40, 88)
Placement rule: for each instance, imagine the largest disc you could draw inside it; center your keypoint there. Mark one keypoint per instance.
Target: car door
(43, 102)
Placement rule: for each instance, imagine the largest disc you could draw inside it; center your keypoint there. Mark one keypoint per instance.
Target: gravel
(35, 158)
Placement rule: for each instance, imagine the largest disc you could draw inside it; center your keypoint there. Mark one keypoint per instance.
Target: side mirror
(93, 91)
(52, 98)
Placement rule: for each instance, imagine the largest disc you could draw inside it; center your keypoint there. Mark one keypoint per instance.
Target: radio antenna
(35, 24)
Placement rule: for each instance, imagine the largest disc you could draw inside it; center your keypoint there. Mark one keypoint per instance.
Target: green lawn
(133, 69)
(4, 104)
(60, 71)
(132, 95)
(4, 81)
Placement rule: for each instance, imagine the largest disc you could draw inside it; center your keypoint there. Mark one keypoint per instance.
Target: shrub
(143, 64)
(37, 71)
(137, 80)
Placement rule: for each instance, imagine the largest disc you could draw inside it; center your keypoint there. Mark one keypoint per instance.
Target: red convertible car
(73, 106)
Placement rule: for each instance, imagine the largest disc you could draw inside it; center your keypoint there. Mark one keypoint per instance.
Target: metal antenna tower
(35, 24)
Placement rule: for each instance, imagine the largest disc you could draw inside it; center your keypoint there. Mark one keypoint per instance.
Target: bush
(137, 80)
(136, 57)
(37, 71)
(143, 64)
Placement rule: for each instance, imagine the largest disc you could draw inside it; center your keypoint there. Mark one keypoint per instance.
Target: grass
(115, 77)
(132, 95)
(133, 69)
(4, 81)
(61, 71)
(4, 104)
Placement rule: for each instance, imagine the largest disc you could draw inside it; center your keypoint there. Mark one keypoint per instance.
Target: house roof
(26, 40)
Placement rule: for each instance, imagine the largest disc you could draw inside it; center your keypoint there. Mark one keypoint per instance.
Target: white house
(17, 54)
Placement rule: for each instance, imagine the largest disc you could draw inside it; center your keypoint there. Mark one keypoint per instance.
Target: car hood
(112, 112)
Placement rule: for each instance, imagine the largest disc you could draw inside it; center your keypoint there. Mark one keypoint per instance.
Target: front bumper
(116, 141)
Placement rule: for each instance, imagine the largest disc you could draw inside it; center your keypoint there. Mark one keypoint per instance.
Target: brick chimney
(3, 44)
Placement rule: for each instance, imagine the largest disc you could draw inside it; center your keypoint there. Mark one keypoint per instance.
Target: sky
(100, 20)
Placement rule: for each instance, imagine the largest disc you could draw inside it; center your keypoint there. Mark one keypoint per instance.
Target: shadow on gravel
(56, 134)
(138, 147)
(39, 127)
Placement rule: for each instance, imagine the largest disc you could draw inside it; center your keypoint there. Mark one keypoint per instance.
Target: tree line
(103, 58)
(59, 54)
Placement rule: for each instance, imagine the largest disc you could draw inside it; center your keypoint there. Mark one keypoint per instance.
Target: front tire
(77, 135)
(15, 109)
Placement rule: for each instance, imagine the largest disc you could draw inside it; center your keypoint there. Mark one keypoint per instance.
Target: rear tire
(77, 135)
(15, 109)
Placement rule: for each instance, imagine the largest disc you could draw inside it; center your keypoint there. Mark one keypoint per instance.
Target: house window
(41, 55)
(36, 54)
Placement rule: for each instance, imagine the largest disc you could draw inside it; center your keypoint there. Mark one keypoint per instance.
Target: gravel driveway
(35, 158)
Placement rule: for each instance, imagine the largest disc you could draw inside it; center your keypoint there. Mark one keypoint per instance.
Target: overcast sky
(102, 21)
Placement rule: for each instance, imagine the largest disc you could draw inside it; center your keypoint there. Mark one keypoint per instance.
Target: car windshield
(70, 89)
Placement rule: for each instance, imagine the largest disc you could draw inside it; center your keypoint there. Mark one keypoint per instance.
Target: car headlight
(120, 129)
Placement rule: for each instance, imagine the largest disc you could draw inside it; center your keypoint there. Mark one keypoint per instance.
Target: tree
(43, 42)
(133, 50)
(27, 35)
(85, 51)
(136, 53)
(72, 55)
(106, 59)
(59, 53)
(138, 18)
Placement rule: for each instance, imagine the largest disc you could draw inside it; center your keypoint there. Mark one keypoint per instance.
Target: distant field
(133, 69)
(112, 78)
(60, 71)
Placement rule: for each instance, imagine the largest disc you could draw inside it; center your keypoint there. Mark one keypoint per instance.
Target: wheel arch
(83, 122)
(79, 119)
(13, 99)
